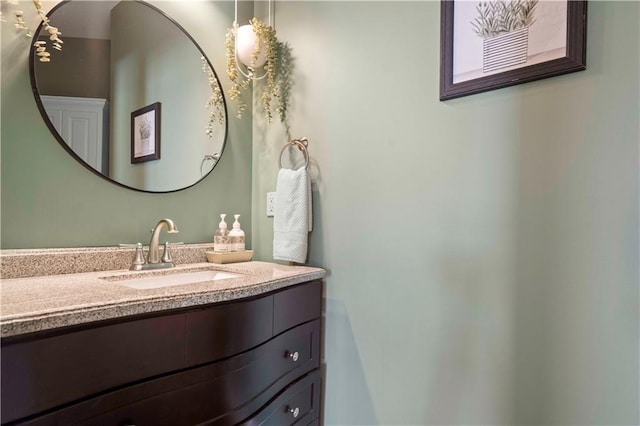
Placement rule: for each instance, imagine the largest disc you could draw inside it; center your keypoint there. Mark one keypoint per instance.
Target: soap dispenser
(221, 237)
(236, 236)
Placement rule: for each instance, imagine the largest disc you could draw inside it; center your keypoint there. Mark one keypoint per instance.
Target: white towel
(292, 215)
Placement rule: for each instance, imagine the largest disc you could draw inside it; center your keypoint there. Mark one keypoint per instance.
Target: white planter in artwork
(505, 50)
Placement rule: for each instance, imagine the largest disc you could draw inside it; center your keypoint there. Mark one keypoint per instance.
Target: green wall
(49, 200)
(482, 253)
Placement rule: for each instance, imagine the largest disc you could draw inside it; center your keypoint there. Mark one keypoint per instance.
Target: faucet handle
(138, 259)
(166, 256)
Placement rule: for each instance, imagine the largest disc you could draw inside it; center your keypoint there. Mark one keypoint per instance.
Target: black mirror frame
(34, 88)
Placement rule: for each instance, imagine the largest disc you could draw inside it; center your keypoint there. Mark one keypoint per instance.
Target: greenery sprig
(215, 103)
(237, 85)
(284, 82)
(502, 16)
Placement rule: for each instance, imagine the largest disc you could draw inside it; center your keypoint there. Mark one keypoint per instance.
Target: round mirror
(130, 95)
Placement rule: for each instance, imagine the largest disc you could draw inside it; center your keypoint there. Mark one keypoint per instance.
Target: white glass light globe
(246, 44)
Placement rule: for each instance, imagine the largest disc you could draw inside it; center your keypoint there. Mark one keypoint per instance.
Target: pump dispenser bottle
(221, 243)
(236, 236)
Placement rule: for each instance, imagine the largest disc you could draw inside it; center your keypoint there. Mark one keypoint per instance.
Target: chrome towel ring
(302, 144)
(214, 158)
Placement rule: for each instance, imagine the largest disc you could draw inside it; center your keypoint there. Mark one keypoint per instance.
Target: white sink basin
(158, 281)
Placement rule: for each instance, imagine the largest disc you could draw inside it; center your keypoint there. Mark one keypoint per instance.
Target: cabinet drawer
(41, 374)
(225, 330)
(298, 404)
(297, 305)
(222, 393)
(250, 380)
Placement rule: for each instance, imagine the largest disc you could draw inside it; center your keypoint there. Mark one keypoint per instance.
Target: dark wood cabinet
(247, 361)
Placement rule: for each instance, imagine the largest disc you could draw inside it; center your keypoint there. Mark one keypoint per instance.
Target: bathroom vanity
(241, 350)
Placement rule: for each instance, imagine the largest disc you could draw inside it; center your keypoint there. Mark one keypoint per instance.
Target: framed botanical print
(145, 134)
(490, 44)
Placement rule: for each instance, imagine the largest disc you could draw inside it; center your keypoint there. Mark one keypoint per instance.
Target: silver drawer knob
(295, 412)
(294, 356)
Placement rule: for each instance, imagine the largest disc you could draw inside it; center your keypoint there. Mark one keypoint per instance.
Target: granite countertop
(40, 303)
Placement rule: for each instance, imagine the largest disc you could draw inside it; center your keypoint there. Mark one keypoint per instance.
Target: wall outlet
(271, 203)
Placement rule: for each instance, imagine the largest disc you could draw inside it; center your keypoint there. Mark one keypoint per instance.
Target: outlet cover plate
(271, 203)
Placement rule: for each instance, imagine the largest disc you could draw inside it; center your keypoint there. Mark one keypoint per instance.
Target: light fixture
(254, 53)
(245, 46)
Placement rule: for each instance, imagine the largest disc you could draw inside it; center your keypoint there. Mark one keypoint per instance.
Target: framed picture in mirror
(491, 44)
(145, 134)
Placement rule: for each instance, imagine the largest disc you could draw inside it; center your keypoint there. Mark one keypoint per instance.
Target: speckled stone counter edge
(41, 262)
(50, 321)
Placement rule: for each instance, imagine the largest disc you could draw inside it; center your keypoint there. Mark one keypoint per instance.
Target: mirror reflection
(131, 96)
